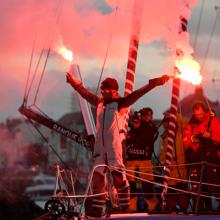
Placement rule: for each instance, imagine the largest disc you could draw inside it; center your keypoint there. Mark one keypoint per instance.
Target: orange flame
(65, 53)
(189, 70)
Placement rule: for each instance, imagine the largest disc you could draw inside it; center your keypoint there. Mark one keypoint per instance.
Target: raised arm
(85, 93)
(134, 96)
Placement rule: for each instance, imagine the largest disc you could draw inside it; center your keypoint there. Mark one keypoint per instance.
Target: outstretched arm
(134, 96)
(85, 93)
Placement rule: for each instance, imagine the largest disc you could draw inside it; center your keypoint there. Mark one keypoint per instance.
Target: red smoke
(84, 26)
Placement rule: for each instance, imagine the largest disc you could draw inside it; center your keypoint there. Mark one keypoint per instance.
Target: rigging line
(210, 39)
(42, 74)
(44, 114)
(77, 167)
(28, 92)
(199, 23)
(51, 147)
(29, 72)
(35, 72)
(42, 51)
(50, 119)
(108, 46)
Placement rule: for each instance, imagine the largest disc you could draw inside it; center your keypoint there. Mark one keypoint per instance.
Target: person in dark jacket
(140, 144)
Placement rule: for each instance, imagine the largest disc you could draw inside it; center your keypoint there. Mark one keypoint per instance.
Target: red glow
(65, 53)
(189, 70)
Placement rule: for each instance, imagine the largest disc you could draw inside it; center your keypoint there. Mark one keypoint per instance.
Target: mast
(133, 51)
(173, 119)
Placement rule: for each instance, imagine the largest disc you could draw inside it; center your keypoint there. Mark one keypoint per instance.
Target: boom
(86, 141)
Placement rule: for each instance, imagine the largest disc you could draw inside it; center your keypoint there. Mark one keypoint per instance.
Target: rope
(178, 191)
(51, 147)
(29, 72)
(79, 196)
(162, 185)
(57, 13)
(169, 178)
(119, 169)
(44, 114)
(42, 74)
(35, 73)
(106, 53)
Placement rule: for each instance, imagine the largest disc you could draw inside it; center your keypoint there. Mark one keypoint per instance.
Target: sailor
(202, 143)
(140, 142)
(108, 144)
(176, 201)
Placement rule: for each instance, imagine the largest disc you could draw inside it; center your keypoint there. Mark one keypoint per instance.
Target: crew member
(202, 143)
(108, 143)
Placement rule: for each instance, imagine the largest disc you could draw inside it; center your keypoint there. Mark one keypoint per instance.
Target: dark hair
(198, 105)
(110, 83)
(135, 116)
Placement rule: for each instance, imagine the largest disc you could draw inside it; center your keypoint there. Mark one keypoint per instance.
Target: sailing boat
(65, 131)
(41, 189)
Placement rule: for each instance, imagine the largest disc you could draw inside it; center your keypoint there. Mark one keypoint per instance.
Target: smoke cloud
(83, 26)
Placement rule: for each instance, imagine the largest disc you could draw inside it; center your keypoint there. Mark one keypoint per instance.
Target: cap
(135, 117)
(145, 111)
(110, 83)
(165, 119)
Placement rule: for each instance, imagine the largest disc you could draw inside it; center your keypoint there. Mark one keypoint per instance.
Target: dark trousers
(94, 206)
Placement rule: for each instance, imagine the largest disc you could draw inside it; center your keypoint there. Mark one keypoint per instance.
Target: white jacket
(108, 144)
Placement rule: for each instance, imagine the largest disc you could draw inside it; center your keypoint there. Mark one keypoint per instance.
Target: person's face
(199, 114)
(106, 93)
(166, 125)
(146, 117)
(136, 123)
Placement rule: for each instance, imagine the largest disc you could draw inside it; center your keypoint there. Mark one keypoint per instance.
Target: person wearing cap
(150, 134)
(108, 144)
(138, 164)
(146, 115)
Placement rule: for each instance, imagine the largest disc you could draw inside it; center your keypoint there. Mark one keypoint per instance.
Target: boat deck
(138, 216)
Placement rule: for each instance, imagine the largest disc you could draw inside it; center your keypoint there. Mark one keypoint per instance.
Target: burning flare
(65, 53)
(189, 70)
